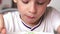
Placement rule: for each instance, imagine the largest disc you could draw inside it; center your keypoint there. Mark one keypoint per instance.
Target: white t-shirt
(50, 22)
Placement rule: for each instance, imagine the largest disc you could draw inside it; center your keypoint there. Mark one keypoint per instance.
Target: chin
(30, 21)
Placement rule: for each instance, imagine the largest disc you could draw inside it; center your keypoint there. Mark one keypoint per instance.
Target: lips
(31, 17)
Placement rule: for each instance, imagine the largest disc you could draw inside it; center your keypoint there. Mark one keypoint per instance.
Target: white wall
(56, 4)
(5, 2)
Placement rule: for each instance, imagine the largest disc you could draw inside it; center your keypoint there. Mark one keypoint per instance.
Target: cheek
(21, 8)
(41, 10)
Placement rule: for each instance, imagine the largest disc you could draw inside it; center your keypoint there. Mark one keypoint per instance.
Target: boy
(33, 15)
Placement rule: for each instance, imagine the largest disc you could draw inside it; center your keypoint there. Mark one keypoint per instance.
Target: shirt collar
(33, 28)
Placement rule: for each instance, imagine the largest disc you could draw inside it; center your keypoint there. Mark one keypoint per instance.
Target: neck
(31, 23)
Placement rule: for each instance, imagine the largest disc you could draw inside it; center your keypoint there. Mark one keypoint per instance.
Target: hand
(58, 30)
(2, 28)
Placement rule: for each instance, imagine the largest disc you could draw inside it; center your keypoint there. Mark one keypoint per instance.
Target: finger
(1, 27)
(3, 31)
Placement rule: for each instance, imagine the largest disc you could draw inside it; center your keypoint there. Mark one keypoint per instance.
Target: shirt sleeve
(55, 19)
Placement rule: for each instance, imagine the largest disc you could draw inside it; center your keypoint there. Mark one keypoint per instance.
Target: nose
(32, 8)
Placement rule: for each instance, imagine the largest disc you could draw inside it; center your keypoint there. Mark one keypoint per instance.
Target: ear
(15, 1)
(49, 1)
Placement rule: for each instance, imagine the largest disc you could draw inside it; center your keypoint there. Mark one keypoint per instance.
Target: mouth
(31, 17)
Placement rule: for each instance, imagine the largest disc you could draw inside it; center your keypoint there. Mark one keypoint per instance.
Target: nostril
(33, 11)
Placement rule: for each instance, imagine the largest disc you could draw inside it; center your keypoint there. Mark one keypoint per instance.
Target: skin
(2, 28)
(31, 11)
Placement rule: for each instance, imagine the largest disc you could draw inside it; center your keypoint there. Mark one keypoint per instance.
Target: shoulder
(53, 15)
(52, 12)
(10, 14)
(9, 19)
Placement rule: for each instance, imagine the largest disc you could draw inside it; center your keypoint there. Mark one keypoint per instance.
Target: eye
(25, 1)
(40, 3)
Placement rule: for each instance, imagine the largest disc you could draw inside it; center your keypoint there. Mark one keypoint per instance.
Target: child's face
(31, 10)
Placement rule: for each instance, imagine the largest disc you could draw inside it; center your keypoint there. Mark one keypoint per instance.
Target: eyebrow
(41, 0)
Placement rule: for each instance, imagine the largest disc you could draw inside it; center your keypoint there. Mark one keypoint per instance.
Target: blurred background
(10, 4)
